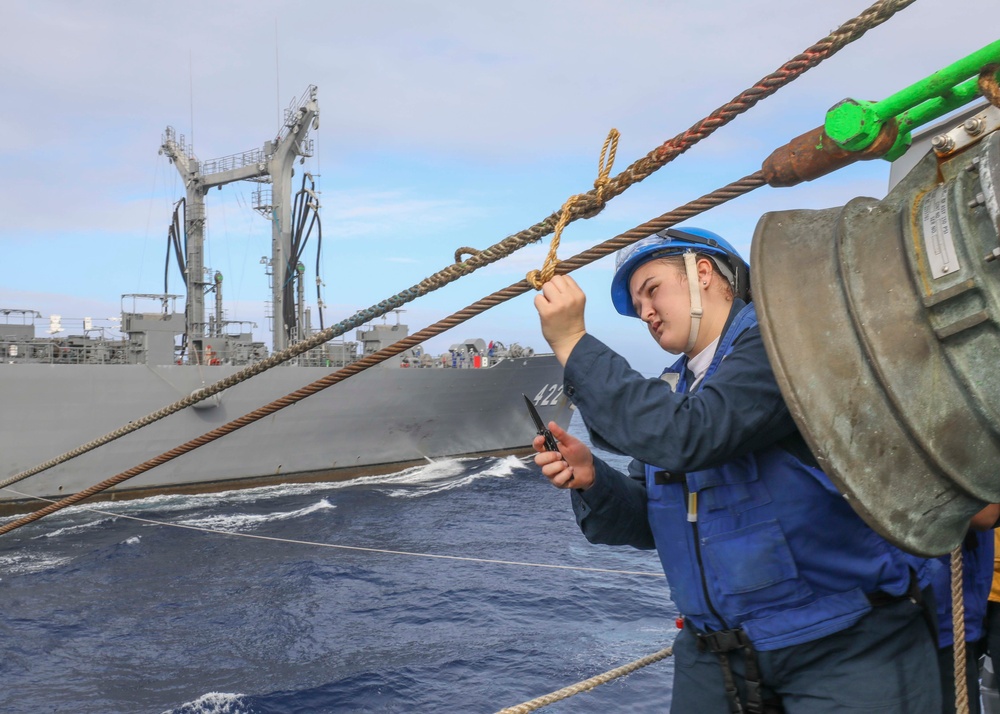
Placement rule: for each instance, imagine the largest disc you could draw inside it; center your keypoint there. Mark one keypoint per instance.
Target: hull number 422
(548, 395)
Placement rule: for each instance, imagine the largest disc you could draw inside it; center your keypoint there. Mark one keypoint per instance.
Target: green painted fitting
(939, 106)
(928, 111)
(899, 147)
(853, 124)
(939, 83)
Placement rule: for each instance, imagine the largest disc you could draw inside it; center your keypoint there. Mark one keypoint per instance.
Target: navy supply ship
(80, 381)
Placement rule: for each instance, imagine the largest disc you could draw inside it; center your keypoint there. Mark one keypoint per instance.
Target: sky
(443, 123)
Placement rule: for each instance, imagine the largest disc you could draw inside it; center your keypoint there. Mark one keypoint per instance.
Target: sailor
(790, 601)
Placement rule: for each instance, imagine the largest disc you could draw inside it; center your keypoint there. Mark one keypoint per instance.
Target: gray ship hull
(382, 418)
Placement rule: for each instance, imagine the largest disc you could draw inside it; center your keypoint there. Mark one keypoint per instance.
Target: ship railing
(262, 200)
(23, 317)
(291, 115)
(63, 351)
(232, 162)
(319, 357)
(251, 157)
(178, 142)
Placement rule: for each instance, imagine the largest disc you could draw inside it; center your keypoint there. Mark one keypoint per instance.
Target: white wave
(212, 703)
(185, 502)
(447, 475)
(415, 475)
(24, 563)
(72, 530)
(420, 480)
(134, 540)
(243, 521)
(508, 466)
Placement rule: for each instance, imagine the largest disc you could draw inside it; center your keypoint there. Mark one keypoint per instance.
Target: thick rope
(693, 208)
(587, 684)
(538, 278)
(958, 628)
(835, 41)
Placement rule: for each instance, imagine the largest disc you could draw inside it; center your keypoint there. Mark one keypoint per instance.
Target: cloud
(398, 215)
(443, 124)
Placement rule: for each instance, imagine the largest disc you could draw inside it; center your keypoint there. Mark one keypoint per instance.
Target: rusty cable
(692, 208)
(587, 205)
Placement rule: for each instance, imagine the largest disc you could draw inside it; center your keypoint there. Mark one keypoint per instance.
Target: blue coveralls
(775, 550)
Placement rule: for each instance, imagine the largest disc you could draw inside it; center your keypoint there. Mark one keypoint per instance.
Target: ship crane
(270, 164)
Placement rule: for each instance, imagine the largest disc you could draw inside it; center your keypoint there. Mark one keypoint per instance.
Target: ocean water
(184, 612)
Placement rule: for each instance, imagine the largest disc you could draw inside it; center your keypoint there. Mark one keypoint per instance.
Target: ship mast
(270, 165)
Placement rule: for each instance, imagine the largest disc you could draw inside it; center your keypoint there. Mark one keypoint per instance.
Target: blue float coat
(775, 549)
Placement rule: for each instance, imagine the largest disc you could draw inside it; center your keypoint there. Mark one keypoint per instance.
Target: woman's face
(662, 300)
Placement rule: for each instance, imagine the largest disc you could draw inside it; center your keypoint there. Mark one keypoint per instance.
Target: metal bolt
(992, 255)
(942, 143)
(979, 200)
(974, 166)
(974, 126)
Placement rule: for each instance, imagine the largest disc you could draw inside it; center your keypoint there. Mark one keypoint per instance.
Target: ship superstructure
(78, 380)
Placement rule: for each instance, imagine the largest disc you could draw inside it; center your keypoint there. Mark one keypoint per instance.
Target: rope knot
(591, 206)
(605, 163)
(471, 252)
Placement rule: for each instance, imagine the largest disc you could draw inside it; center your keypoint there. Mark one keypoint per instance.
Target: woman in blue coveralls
(790, 601)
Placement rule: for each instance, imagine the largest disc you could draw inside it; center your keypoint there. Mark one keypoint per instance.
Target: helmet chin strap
(691, 266)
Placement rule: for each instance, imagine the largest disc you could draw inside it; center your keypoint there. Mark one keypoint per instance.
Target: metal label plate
(939, 243)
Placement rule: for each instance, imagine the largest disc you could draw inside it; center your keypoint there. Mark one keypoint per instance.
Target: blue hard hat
(676, 241)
